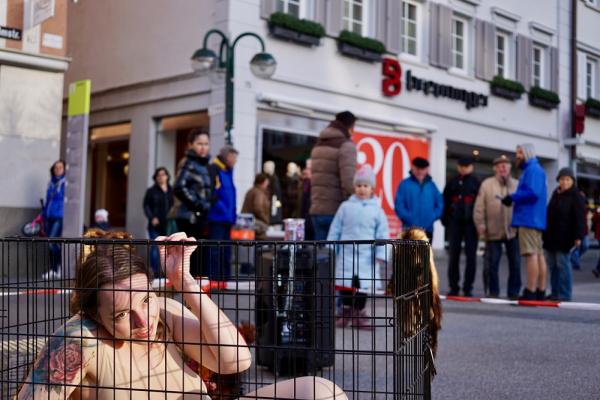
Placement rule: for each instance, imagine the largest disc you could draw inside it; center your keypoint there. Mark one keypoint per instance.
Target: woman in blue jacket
(357, 265)
(53, 215)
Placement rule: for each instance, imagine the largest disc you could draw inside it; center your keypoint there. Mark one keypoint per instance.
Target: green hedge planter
(356, 46)
(543, 98)
(506, 88)
(592, 108)
(301, 31)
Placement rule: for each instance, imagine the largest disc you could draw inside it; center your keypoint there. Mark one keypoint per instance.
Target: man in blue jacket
(222, 214)
(418, 202)
(529, 217)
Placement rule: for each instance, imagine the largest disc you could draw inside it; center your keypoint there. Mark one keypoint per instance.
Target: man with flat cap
(493, 223)
(418, 201)
(459, 199)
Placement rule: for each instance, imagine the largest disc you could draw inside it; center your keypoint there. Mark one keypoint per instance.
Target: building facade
(32, 63)
(435, 91)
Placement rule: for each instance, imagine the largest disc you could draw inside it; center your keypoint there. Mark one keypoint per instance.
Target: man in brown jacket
(257, 202)
(493, 223)
(333, 168)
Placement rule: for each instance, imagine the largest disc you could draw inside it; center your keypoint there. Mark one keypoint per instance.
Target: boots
(345, 317)
(528, 295)
(540, 295)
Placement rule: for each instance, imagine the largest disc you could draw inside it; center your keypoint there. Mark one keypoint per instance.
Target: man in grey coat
(333, 167)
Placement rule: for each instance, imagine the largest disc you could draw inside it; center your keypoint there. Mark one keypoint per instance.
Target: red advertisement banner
(390, 156)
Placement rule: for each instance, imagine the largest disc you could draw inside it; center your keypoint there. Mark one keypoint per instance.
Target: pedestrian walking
(333, 168)
(275, 195)
(305, 201)
(256, 202)
(53, 213)
(459, 199)
(529, 217)
(222, 215)
(596, 230)
(158, 200)
(493, 223)
(418, 202)
(193, 192)
(564, 231)
(580, 250)
(359, 218)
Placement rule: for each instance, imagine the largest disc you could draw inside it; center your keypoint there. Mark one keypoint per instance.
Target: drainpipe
(573, 98)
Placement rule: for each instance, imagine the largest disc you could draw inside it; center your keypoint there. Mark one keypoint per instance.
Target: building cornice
(34, 61)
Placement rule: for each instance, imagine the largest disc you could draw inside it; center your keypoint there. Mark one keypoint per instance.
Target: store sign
(10, 33)
(390, 156)
(392, 86)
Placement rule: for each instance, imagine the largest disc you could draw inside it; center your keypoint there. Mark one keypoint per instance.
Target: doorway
(109, 147)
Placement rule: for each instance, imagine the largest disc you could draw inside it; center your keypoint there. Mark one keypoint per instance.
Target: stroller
(36, 226)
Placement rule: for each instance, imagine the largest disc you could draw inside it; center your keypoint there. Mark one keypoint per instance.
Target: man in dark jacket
(459, 200)
(193, 192)
(223, 214)
(529, 216)
(333, 168)
(157, 203)
(564, 232)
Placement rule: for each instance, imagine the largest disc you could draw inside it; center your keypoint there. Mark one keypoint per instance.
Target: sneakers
(51, 275)
(344, 319)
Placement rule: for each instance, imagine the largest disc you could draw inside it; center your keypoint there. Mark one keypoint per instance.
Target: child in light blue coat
(357, 270)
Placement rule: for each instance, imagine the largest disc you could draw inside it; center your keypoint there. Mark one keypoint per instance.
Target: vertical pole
(229, 94)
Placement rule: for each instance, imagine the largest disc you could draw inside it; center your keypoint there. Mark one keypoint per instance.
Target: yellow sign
(79, 97)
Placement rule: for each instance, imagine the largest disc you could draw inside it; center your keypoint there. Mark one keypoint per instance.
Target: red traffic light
(579, 118)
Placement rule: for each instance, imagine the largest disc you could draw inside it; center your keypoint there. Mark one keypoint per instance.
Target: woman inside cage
(124, 341)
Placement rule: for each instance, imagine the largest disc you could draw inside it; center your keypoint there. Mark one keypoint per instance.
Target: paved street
(509, 352)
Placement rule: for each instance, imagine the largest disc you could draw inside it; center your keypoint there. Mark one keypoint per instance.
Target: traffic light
(579, 118)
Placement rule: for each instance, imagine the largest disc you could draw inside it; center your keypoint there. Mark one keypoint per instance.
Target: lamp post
(204, 60)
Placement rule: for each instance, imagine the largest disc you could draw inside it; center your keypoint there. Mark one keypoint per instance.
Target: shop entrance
(109, 149)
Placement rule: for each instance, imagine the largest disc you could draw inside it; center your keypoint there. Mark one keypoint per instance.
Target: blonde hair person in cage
(123, 340)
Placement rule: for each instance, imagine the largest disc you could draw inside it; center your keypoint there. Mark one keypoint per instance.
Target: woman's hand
(175, 259)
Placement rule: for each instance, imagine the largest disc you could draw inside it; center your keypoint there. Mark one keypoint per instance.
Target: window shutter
(267, 7)
(524, 54)
(581, 75)
(485, 50)
(380, 10)
(445, 37)
(553, 51)
(434, 42)
(393, 24)
(320, 12)
(334, 17)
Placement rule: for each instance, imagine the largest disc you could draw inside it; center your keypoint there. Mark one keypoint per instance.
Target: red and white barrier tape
(526, 303)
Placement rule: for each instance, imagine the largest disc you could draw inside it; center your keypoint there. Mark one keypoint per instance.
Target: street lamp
(204, 60)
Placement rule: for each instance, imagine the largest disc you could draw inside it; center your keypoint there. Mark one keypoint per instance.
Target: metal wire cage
(262, 320)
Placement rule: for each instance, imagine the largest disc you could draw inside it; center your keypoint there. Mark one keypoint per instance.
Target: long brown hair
(103, 264)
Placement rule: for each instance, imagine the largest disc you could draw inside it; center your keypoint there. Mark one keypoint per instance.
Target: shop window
(539, 60)
(410, 28)
(502, 55)
(356, 16)
(459, 44)
(591, 67)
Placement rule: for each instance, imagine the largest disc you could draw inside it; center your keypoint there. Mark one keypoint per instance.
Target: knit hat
(365, 176)
(465, 161)
(565, 172)
(528, 150)
(101, 214)
(420, 162)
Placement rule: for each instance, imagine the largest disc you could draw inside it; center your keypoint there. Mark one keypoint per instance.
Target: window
(590, 78)
(502, 55)
(292, 7)
(538, 66)
(356, 16)
(459, 46)
(410, 37)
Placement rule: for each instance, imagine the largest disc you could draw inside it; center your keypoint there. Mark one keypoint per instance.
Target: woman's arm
(62, 363)
(212, 339)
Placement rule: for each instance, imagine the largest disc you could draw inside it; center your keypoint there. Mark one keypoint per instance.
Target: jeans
(218, 266)
(578, 252)
(198, 231)
(54, 230)
(456, 233)
(321, 224)
(494, 254)
(561, 276)
(154, 255)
